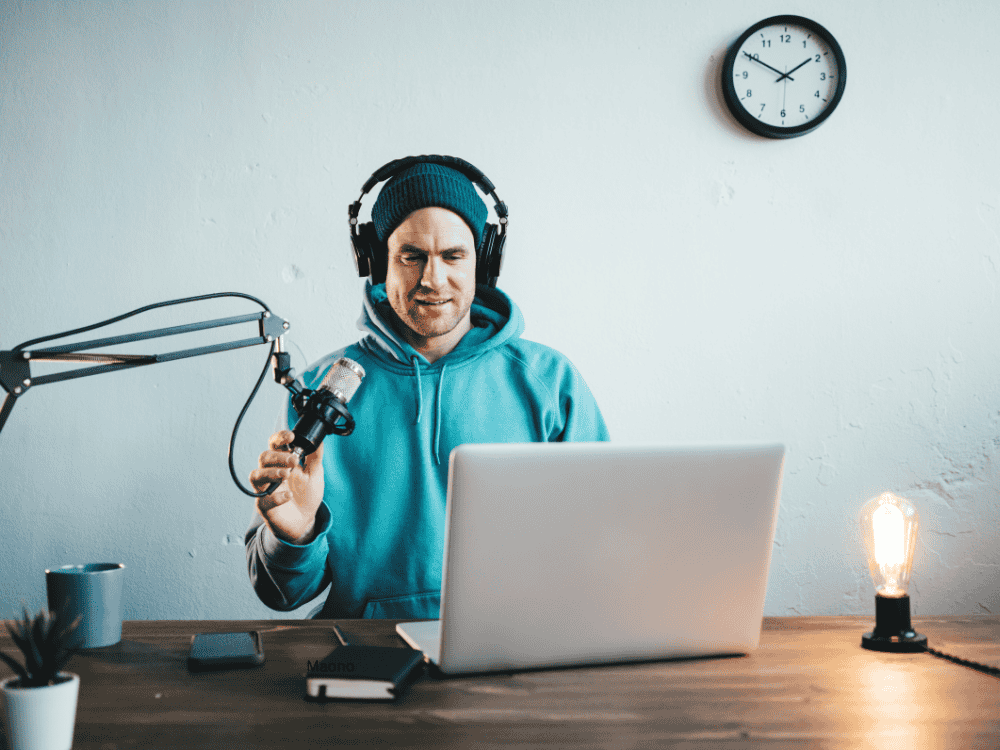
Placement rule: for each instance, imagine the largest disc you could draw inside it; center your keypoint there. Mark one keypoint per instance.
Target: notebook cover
(345, 666)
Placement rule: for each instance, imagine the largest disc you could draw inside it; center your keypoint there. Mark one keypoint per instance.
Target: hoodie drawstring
(420, 391)
(437, 418)
(437, 410)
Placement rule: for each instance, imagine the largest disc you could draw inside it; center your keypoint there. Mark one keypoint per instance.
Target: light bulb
(889, 527)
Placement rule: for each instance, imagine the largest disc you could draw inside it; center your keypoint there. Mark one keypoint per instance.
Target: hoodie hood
(496, 321)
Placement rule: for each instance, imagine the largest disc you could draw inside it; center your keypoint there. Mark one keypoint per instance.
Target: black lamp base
(892, 627)
(906, 642)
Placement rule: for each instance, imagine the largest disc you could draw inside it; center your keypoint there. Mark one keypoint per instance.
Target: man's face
(431, 276)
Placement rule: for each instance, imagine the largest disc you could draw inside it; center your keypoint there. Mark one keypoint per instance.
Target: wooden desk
(810, 684)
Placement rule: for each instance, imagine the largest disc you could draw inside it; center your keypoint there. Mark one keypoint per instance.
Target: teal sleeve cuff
(282, 554)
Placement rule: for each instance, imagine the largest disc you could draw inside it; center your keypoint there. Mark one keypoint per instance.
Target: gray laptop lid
(579, 553)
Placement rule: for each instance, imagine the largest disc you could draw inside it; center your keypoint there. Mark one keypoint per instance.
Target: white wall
(837, 292)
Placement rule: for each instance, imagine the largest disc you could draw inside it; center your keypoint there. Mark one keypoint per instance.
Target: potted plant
(39, 702)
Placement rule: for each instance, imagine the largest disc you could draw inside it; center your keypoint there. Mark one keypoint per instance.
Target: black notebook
(363, 673)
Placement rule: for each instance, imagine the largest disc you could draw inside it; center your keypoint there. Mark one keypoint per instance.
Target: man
(445, 366)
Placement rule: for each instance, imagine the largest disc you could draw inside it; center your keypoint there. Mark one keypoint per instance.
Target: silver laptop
(561, 554)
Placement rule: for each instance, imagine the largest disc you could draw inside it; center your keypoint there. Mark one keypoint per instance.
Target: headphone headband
(387, 171)
(370, 255)
(398, 165)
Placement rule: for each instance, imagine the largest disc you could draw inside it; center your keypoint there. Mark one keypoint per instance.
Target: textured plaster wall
(837, 292)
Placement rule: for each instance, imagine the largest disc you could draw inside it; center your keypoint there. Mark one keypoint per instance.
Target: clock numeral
(762, 107)
(785, 38)
(816, 95)
(749, 94)
(745, 74)
(782, 113)
(817, 58)
(802, 108)
(822, 76)
(765, 43)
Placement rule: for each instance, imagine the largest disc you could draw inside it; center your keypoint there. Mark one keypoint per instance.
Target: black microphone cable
(147, 308)
(232, 438)
(168, 303)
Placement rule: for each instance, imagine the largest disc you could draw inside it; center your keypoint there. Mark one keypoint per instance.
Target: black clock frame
(762, 128)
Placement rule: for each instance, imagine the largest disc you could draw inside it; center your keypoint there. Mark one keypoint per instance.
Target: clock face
(784, 76)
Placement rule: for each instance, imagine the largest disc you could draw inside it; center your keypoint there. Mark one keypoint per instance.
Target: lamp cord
(147, 308)
(985, 668)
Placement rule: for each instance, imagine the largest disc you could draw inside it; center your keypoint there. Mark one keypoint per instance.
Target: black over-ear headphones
(371, 256)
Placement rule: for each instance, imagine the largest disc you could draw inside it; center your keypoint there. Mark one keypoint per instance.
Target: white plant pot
(40, 718)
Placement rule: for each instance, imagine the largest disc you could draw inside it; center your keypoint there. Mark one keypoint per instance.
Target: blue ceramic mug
(94, 591)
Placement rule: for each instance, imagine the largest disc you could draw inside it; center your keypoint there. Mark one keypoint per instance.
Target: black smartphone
(225, 651)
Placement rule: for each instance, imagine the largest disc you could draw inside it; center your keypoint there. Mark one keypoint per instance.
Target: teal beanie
(424, 185)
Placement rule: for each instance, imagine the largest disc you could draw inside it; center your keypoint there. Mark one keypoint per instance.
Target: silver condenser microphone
(324, 410)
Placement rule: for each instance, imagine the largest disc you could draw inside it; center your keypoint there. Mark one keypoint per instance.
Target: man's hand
(289, 511)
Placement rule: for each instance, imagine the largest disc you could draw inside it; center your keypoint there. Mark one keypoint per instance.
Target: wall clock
(783, 77)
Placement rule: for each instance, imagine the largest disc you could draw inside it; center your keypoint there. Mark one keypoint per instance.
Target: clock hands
(786, 75)
(784, 95)
(757, 59)
(781, 76)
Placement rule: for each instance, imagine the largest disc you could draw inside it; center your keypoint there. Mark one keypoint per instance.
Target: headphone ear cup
(362, 253)
(489, 260)
(378, 259)
(369, 253)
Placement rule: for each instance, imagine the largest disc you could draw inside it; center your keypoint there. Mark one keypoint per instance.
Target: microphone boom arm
(15, 364)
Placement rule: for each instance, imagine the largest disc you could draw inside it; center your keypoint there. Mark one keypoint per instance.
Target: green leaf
(16, 666)
(16, 635)
(40, 628)
(44, 645)
(22, 639)
(60, 637)
(23, 626)
(33, 659)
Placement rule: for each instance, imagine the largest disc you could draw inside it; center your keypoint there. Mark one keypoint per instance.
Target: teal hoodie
(379, 538)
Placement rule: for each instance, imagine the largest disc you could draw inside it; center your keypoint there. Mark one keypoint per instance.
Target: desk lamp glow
(889, 527)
